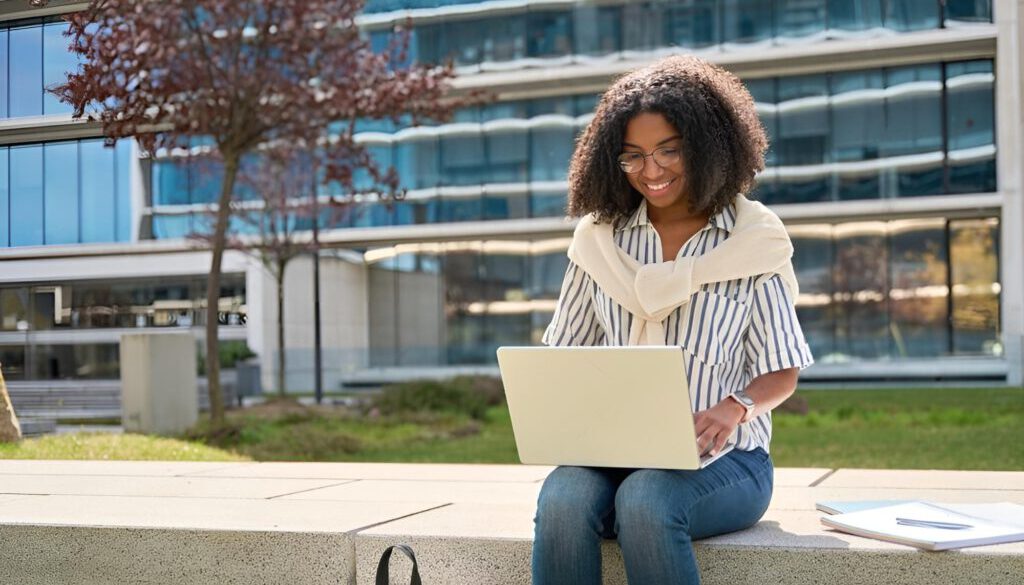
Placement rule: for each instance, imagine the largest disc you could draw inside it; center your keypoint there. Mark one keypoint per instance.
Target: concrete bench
(154, 522)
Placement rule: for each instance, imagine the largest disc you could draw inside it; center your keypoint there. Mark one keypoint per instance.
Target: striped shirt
(730, 332)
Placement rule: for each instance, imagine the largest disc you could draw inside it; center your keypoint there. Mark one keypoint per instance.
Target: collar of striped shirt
(726, 219)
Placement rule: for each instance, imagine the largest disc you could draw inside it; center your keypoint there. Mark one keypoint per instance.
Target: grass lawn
(934, 428)
(937, 428)
(109, 446)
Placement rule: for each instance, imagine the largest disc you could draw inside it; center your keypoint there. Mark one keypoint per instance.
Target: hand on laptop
(715, 425)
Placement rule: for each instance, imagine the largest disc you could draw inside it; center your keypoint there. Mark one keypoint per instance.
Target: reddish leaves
(246, 73)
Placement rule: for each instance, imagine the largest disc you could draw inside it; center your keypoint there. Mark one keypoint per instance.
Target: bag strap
(383, 574)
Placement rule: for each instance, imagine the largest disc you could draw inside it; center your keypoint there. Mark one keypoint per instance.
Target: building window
(974, 253)
(34, 57)
(899, 289)
(915, 288)
(970, 88)
(65, 192)
(853, 135)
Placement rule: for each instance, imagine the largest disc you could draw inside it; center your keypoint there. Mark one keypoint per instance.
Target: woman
(669, 252)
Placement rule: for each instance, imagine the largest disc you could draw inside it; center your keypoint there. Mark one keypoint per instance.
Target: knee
(571, 496)
(645, 502)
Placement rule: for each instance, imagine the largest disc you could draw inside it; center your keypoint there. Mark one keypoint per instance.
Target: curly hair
(723, 141)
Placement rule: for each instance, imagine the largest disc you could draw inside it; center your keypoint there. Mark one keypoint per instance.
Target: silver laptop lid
(600, 406)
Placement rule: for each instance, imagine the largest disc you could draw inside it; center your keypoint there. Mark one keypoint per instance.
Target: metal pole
(318, 370)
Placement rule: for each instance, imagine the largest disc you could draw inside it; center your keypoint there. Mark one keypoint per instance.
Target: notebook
(846, 506)
(935, 527)
(601, 407)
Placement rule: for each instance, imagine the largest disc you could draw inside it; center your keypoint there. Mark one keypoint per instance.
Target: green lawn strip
(918, 447)
(109, 446)
(929, 428)
(940, 428)
(916, 399)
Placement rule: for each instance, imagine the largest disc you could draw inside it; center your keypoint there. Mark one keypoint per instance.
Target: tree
(276, 218)
(244, 74)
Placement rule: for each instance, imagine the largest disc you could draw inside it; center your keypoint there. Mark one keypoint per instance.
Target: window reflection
(548, 33)
(803, 133)
(852, 135)
(463, 155)
(691, 24)
(25, 67)
(60, 199)
(967, 12)
(861, 278)
(5, 198)
(83, 361)
(913, 113)
(974, 268)
(58, 61)
(641, 26)
(812, 260)
(746, 21)
(919, 292)
(800, 19)
(597, 30)
(144, 302)
(463, 287)
(508, 153)
(493, 293)
(4, 74)
(26, 205)
(518, 35)
(551, 143)
(971, 126)
(99, 192)
(868, 290)
(548, 201)
(65, 192)
(416, 158)
(12, 361)
(14, 309)
(854, 19)
(908, 15)
(858, 126)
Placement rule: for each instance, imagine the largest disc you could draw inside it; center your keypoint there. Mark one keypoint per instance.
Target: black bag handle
(383, 575)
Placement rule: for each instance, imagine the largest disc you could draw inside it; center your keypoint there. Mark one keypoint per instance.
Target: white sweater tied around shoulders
(758, 244)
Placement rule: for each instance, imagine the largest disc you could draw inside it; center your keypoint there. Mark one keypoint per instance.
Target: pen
(932, 524)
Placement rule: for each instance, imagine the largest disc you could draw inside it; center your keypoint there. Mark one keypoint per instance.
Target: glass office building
(884, 164)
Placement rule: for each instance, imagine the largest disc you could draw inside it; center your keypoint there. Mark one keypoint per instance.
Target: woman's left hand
(715, 425)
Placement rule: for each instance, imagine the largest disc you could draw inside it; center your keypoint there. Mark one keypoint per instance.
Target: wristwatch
(746, 402)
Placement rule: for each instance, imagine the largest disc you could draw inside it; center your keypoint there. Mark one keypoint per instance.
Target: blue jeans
(654, 513)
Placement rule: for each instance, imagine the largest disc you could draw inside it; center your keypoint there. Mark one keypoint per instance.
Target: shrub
(457, 396)
(230, 352)
(489, 386)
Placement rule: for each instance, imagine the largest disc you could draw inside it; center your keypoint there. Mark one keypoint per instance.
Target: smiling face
(664, 188)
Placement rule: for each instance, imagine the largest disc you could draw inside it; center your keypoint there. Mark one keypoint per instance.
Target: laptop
(601, 407)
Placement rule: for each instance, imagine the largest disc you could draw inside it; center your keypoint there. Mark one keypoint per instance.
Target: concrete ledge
(175, 523)
(466, 543)
(51, 555)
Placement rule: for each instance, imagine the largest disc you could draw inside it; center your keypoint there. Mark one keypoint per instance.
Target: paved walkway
(133, 522)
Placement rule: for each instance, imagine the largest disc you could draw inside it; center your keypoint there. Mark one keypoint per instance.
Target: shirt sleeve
(575, 320)
(774, 339)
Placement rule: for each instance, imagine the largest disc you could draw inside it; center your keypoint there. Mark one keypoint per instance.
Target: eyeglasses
(634, 162)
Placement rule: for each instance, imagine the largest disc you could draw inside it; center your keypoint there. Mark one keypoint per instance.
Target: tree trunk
(10, 430)
(213, 289)
(281, 389)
